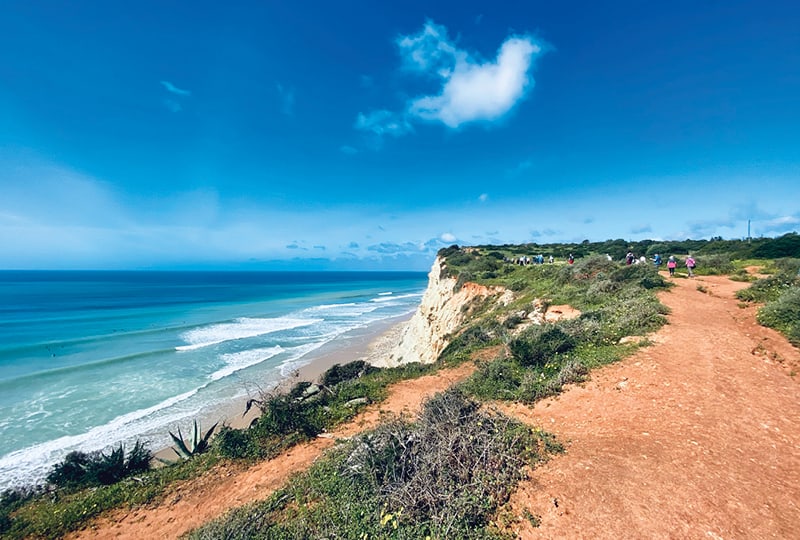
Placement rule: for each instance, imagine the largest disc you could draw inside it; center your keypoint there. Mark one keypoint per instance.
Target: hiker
(671, 264)
(629, 258)
(690, 264)
(657, 261)
(550, 259)
(570, 259)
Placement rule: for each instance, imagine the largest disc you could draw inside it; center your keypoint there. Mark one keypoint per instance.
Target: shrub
(196, 445)
(498, 379)
(423, 469)
(235, 443)
(351, 370)
(478, 335)
(718, 264)
(783, 314)
(539, 344)
(590, 267)
(81, 469)
(441, 477)
(769, 288)
(639, 274)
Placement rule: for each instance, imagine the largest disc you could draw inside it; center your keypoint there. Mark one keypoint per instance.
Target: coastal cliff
(442, 311)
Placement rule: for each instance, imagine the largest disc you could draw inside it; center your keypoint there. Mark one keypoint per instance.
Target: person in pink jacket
(671, 264)
(690, 264)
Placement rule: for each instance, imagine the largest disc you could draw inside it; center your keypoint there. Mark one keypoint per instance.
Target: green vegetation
(443, 476)
(195, 446)
(81, 469)
(616, 302)
(780, 294)
(40, 513)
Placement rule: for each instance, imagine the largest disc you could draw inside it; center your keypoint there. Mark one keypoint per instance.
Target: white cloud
(483, 197)
(448, 237)
(469, 90)
(174, 89)
(383, 122)
(476, 92)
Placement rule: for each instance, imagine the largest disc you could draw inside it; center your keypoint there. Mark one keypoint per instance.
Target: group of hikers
(525, 260)
(630, 259)
(672, 262)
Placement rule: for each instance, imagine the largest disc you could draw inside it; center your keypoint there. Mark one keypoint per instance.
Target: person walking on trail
(671, 264)
(570, 259)
(690, 264)
(657, 261)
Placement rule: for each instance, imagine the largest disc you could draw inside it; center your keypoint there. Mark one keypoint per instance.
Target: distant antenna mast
(748, 231)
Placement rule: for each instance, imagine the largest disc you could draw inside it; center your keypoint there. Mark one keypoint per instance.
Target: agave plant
(197, 444)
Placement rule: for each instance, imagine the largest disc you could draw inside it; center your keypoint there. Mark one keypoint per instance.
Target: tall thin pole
(748, 231)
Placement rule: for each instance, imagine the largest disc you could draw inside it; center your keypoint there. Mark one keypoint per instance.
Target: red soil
(697, 436)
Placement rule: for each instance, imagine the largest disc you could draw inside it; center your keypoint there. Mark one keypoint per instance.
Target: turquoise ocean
(93, 359)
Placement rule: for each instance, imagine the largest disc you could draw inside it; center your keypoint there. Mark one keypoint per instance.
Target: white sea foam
(350, 309)
(33, 463)
(298, 353)
(322, 307)
(241, 328)
(385, 293)
(244, 359)
(393, 298)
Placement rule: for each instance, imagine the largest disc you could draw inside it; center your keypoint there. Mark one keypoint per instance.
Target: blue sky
(347, 135)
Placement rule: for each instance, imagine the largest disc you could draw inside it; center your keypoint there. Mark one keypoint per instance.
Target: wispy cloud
(174, 100)
(171, 88)
(521, 167)
(383, 122)
(779, 225)
(483, 197)
(287, 99)
(468, 89)
(447, 237)
(641, 229)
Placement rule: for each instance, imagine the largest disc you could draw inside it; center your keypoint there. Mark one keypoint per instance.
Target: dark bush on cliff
(81, 469)
(352, 370)
(537, 345)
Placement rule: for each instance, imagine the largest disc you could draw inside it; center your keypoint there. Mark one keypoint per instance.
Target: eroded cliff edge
(441, 312)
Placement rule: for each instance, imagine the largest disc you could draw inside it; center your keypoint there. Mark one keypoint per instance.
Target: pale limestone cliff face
(440, 313)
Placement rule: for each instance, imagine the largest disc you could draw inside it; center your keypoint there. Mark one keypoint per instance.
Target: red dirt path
(697, 436)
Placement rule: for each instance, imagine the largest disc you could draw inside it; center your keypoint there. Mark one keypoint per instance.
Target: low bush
(443, 476)
(714, 265)
(540, 343)
(81, 469)
(783, 314)
(769, 288)
(352, 370)
(498, 379)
